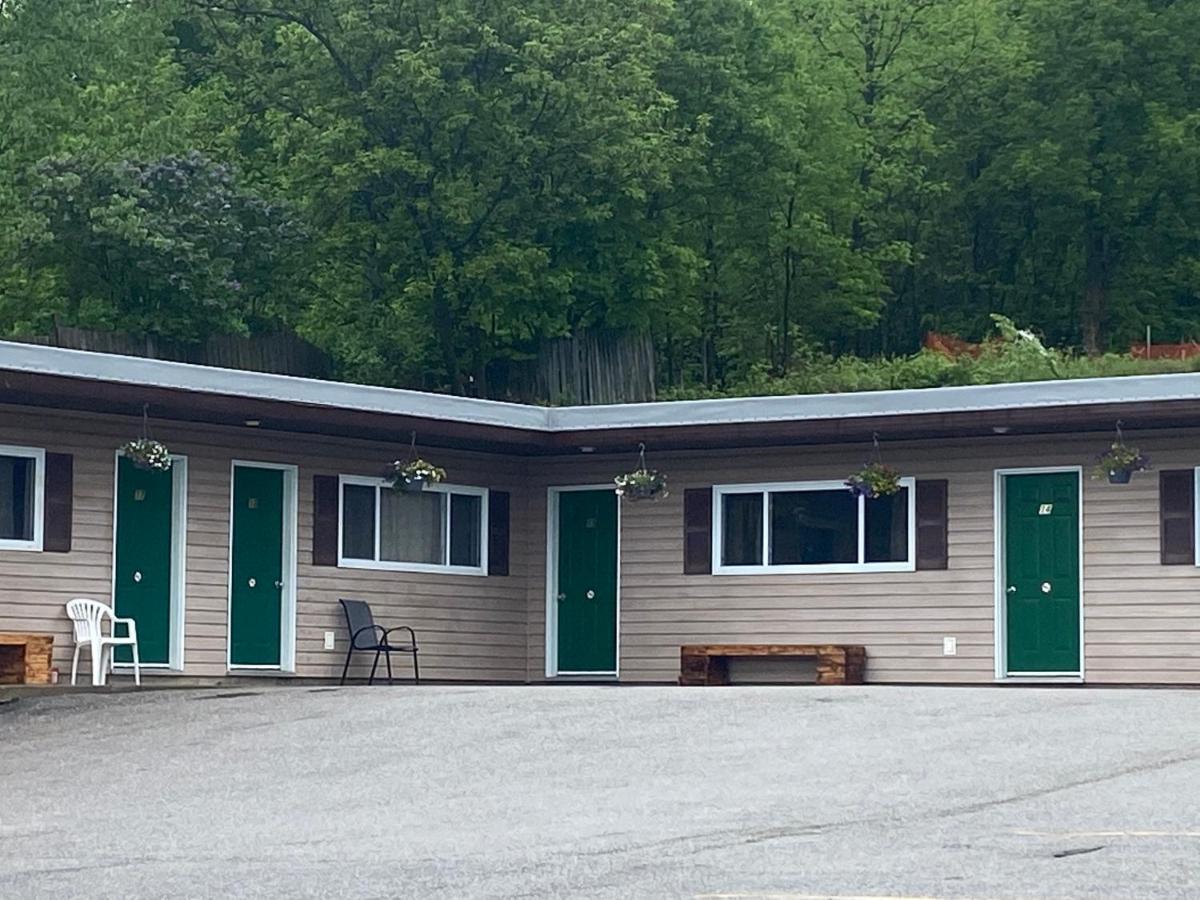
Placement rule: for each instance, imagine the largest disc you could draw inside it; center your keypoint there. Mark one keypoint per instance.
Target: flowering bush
(146, 453)
(414, 474)
(874, 480)
(642, 484)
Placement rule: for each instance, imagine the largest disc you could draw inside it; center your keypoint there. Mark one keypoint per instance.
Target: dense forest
(778, 192)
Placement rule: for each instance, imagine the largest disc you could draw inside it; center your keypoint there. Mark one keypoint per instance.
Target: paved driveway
(602, 792)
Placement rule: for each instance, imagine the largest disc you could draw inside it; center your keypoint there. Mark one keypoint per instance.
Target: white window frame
(1195, 518)
(395, 566)
(38, 455)
(764, 568)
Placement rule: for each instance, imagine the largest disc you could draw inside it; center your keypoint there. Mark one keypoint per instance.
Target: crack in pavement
(732, 837)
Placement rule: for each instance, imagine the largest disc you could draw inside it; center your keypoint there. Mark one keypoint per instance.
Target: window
(438, 529)
(816, 526)
(22, 494)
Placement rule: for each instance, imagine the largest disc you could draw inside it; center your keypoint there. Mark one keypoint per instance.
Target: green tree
(170, 248)
(468, 167)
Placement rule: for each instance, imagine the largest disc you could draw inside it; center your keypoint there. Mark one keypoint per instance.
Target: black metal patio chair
(366, 635)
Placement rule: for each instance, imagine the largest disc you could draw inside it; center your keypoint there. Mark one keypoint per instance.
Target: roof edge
(311, 392)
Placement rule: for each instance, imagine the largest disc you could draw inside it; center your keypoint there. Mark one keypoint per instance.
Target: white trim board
(176, 655)
(1195, 515)
(551, 618)
(1000, 648)
(38, 455)
(380, 485)
(287, 612)
(766, 568)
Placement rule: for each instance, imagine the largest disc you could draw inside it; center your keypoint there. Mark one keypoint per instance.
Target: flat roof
(871, 404)
(156, 373)
(54, 368)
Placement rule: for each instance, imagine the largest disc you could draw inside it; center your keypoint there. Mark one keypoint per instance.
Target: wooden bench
(25, 658)
(703, 664)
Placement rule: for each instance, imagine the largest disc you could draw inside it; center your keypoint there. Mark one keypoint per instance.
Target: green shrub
(1014, 355)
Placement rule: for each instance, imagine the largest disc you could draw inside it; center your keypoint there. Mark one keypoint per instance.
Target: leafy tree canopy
(776, 191)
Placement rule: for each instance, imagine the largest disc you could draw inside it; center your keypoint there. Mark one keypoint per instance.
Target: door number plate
(1045, 509)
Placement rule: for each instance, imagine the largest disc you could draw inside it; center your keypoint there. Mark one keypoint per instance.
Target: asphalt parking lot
(464, 792)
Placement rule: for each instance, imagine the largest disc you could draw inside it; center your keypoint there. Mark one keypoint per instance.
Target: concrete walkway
(602, 792)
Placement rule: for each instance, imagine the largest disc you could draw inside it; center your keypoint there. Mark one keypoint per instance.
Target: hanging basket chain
(875, 479)
(413, 473)
(146, 452)
(642, 483)
(1119, 462)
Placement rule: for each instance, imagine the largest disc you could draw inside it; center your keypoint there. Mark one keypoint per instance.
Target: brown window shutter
(59, 502)
(1176, 509)
(498, 532)
(933, 545)
(697, 531)
(325, 520)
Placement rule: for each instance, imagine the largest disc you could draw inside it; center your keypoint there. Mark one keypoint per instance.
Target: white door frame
(287, 622)
(552, 495)
(179, 518)
(999, 530)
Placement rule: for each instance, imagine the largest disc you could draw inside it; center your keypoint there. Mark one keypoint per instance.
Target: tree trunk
(443, 326)
(1095, 291)
(789, 282)
(712, 300)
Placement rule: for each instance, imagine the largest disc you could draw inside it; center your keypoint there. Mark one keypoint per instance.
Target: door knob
(279, 584)
(1045, 587)
(591, 595)
(1011, 589)
(137, 577)
(253, 582)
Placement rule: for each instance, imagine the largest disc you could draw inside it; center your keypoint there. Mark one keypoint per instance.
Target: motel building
(999, 559)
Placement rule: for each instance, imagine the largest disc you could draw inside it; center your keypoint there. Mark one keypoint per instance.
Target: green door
(142, 565)
(1041, 563)
(587, 581)
(256, 592)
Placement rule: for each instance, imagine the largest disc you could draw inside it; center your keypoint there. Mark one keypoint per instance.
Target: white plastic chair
(87, 617)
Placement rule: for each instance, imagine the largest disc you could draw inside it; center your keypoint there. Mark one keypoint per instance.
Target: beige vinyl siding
(1142, 619)
(470, 627)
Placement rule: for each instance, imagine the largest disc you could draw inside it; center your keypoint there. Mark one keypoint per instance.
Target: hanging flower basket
(1119, 462)
(147, 453)
(642, 484)
(411, 476)
(874, 480)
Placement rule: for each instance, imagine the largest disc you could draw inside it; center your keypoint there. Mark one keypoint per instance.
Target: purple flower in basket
(874, 480)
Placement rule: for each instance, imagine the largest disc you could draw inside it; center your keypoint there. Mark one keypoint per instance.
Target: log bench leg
(831, 665)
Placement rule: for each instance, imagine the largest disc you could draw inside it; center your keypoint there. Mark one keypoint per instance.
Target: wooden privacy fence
(588, 368)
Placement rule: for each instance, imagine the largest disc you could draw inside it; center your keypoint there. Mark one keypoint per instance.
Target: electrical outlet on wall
(949, 646)
(329, 640)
